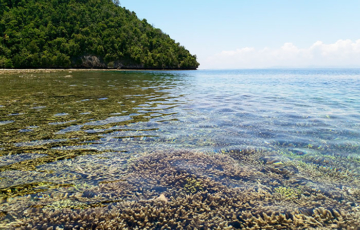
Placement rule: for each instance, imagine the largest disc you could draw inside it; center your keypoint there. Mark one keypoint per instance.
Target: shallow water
(68, 135)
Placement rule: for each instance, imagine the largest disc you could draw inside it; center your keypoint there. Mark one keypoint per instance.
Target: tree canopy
(83, 33)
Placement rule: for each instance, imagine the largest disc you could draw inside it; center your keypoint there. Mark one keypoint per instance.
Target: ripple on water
(15, 114)
(225, 110)
(141, 105)
(5, 122)
(11, 159)
(25, 130)
(39, 107)
(39, 142)
(156, 114)
(110, 120)
(95, 130)
(72, 128)
(61, 114)
(61, 123)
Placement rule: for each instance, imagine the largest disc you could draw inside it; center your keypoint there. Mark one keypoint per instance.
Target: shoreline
(16, 71)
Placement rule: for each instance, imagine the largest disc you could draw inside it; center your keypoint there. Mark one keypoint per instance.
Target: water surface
(292, 135)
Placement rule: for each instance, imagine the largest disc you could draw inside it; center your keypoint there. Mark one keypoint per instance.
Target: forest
(84, 34)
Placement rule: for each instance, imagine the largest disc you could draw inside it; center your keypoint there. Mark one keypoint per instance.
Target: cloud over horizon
(343, 53)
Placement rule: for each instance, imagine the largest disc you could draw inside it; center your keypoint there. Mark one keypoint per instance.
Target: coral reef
(192, 185)
(122, 150)
(188, 190)
(287, 192)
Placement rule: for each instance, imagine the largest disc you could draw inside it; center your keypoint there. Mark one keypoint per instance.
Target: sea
(69, 139)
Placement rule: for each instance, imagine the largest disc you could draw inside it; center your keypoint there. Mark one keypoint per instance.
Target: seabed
(96, 157)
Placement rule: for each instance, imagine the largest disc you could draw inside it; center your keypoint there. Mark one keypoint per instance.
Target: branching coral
(192, 185)
(197, 191)
(61, 204)
(288, 192)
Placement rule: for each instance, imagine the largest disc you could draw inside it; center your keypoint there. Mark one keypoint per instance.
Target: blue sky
(260, 34)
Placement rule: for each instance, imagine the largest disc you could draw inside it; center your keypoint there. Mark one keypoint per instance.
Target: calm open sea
(68, 133)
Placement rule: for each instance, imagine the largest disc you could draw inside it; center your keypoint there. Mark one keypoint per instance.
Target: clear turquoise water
(69, 134)
(293, 112)
(289, 110)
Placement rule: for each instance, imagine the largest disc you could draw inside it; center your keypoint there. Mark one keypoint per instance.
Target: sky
(235, 34)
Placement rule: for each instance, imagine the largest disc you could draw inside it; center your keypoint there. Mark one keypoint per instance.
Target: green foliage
(58, 33)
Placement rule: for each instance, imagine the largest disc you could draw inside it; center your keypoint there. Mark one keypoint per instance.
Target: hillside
(83, 34)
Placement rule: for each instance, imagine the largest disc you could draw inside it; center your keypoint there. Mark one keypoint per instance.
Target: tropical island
(84, 34)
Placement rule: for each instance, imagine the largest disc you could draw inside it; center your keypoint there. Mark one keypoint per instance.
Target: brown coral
(231, 197)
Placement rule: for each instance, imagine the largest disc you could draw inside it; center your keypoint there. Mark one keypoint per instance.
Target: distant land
(84, 34)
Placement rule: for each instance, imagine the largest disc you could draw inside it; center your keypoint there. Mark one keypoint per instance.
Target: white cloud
(343, 53)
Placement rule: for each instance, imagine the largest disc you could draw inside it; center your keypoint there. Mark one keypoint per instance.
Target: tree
(62, 33)
(117, 2)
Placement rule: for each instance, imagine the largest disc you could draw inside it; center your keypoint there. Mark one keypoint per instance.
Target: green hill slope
(83, 34)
